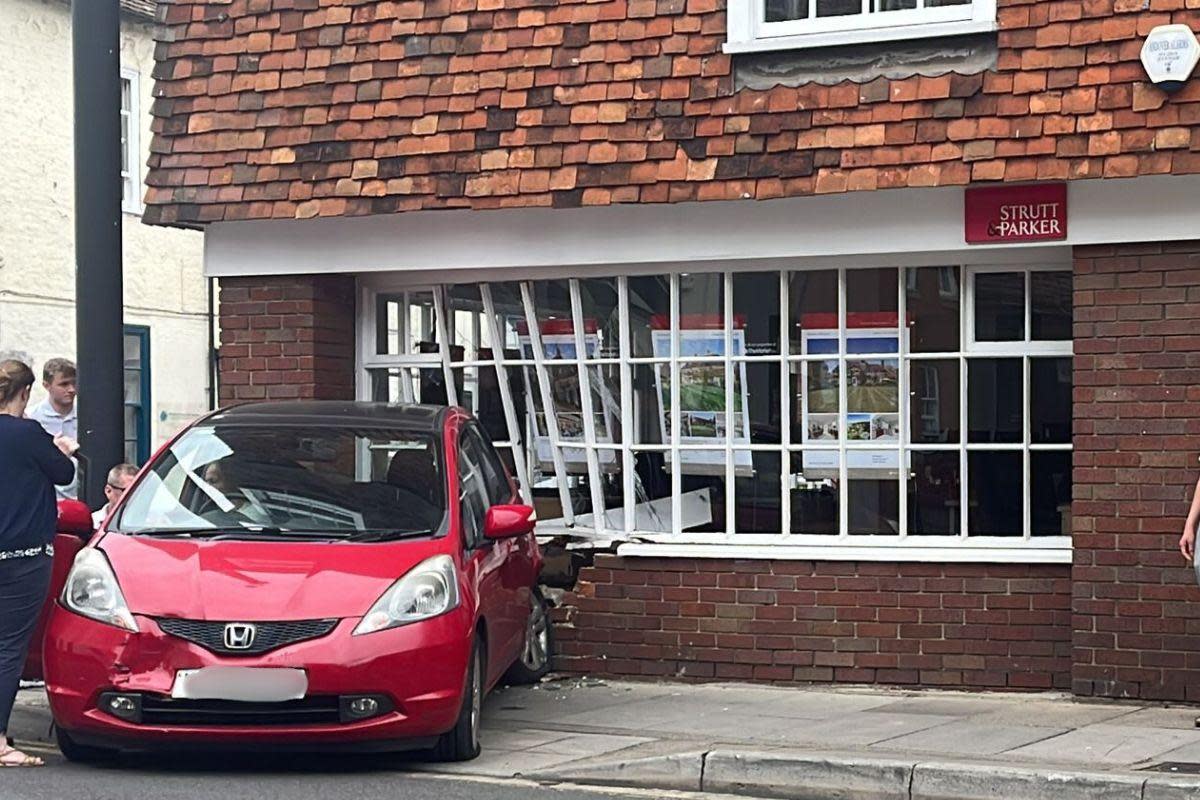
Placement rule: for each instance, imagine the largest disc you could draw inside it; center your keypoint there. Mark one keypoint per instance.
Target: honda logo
(239, 636)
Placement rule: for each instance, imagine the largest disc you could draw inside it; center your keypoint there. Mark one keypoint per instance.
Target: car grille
(267, 635)
(166, 711)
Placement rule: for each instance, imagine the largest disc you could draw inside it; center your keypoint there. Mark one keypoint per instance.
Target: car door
(74, 528)
(497, 595)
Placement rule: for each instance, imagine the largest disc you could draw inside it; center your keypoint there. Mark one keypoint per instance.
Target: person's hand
(66, 444)
(1187, 542)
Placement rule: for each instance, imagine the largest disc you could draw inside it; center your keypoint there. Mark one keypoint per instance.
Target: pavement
(851, 743)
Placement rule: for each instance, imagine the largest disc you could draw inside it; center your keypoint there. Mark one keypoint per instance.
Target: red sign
(1003, 214)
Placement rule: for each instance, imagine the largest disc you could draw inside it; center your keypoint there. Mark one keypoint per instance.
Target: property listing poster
(702, 417)
(558, 345)
(872, 400)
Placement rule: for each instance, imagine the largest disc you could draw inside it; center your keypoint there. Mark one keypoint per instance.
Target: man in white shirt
(119, 479)
(56, 414)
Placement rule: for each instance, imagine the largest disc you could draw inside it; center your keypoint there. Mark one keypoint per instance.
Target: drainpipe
(213, 367)
(99, 309)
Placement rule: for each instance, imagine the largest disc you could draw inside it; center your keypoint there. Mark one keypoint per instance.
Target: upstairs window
(131, 159)
(783, 24)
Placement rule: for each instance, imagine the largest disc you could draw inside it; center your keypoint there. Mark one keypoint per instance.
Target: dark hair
(56, 367)
(15, 377)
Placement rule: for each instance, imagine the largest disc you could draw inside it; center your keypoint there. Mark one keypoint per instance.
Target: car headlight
(92, 591)
(429, 589)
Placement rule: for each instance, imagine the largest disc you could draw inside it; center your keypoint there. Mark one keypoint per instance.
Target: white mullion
(628, 492)
(843, 395)
(585, 403)
(903, 397)
(510, 412)
(1027, 503)
(730, 419)
(440, 308)
(966, 316)
(539, 364)
(785, 399)
(676, 471)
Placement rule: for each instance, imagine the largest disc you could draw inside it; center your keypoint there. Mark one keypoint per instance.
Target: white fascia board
(924, 224)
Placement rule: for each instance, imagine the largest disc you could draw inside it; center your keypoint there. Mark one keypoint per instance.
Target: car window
(494, 475)
(473, 492)
(297, 479)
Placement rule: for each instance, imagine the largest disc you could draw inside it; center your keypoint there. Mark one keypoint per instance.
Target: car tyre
(80, 753)
(461, 743)
(538, 650)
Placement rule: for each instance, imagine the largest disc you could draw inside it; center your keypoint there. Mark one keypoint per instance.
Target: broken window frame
(620, 523)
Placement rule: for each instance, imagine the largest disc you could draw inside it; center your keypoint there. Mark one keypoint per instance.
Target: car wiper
(387, 534)
(255, 533)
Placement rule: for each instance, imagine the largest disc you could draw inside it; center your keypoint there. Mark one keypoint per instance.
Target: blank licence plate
(247, 684)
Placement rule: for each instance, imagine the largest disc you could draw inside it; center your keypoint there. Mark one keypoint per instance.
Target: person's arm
(51, 460)
(1187, 542)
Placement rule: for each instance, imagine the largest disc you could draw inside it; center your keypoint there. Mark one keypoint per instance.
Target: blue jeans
(23, 586)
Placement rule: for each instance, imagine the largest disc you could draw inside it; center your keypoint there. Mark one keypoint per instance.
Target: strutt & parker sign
(1007, 214)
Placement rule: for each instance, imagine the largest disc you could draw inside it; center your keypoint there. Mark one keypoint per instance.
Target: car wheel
(461, 743)
(535, 661)
(80, 753)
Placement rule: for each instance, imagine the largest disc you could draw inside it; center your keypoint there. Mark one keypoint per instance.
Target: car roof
(335, 413)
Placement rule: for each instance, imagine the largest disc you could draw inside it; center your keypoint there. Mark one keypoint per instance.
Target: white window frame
(748, 31)
(1021, 547)
(131, 179)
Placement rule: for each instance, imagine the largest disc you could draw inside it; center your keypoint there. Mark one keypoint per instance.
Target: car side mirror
(505, 522)
(75, 518)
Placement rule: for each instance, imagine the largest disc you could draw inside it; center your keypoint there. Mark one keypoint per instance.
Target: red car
(307, 575)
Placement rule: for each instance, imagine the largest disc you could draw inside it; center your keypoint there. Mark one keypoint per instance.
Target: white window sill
(860, 36)
(1053, 550)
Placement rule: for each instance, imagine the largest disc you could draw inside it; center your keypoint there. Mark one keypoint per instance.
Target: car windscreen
(339, 482)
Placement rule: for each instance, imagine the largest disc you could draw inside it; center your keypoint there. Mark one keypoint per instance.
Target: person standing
(56, 414)
(119, 479)
(31, 464)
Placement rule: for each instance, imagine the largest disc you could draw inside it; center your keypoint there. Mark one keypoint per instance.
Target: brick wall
(287, 338)
(960, 625)
(304, 108)
(1137, 433)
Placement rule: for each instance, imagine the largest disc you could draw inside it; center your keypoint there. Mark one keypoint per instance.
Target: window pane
(704, 491)
(1050, 493)
(387, 324)
(133, 351)
(813, 302)
(933, 309)
(702, 402)
(1051, 309)
(815, 498)
(1050, 400)
(871, 291)
(1000, 307)
(133, 386)
(936, 3)
(934, 402)
(763, 397)
(702, 304)
(780, 10)
(837, 8)
(815, 402)
(995, 396)
(649, 311)
(995, 506)
(934, 494)
(394, 385)
(892, 5)
(757, 492)
(874, 506)
(756, 311)
(652, 492)
(601, 320)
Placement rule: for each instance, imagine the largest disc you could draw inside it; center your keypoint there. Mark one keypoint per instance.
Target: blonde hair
(15, 377)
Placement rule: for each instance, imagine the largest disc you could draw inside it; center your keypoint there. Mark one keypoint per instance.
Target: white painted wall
(164, 284)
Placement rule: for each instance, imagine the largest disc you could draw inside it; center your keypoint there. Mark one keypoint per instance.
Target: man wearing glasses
(120, 478)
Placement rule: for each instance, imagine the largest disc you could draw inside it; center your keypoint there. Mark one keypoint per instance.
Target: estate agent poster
(872, 399)
(558, 345)
(702, 399)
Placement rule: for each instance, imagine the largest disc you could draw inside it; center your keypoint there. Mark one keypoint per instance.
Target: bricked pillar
(287, 338)
(1136, 609)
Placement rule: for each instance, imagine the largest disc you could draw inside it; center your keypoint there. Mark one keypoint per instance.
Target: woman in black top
(31, 464)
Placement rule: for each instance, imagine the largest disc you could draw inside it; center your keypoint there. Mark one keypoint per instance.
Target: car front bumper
(420, 669)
